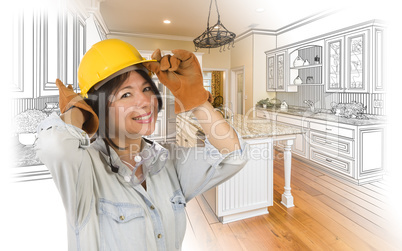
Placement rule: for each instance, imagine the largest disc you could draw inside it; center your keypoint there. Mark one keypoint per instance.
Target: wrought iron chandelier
(215, 36)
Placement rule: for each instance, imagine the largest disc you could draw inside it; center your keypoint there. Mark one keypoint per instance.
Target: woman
(123, 192)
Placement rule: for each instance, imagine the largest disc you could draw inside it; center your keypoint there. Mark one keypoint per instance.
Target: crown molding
(306, 20)
(150, 35)
(287, 28)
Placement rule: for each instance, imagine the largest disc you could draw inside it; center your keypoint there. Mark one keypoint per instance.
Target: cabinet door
(378, 60)
(334, 64)
(53, 52)
(280, 71)
(271, 73)
(371, 153)
(23, 49)
(357, 48)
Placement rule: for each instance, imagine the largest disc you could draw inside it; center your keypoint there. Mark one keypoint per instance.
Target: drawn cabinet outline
(46, 45)
(278, 72)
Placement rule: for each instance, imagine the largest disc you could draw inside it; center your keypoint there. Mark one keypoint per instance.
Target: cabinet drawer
(338, 164)
(297, 121)
(332, 143)
(337, 130)
(262, 114)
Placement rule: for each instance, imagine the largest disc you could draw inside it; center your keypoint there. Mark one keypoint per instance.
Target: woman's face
(133, 108)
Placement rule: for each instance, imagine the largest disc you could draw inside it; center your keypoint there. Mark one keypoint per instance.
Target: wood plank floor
(329, 214)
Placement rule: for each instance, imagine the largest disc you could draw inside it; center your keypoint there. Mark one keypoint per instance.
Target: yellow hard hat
(104, 60)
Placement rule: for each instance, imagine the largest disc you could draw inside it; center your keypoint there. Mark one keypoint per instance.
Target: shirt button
(152, 207)
(137, 158)
(127, 178)
(159, 236)
(121, 217)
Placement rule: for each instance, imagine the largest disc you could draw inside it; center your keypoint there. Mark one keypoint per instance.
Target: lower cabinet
(333, 162)
(370, 161)
(353, 153)
(299, 146)
(187, 134)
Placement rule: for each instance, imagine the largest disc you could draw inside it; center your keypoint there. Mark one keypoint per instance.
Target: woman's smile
(144, 118)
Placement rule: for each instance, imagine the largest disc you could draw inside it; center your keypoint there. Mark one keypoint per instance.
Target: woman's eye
(125, 95)
(147, 89)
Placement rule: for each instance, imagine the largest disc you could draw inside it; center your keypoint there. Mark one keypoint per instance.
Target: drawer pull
(329, 160)
(328, 129)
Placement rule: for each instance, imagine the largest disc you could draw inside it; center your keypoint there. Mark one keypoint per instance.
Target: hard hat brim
(122, 71)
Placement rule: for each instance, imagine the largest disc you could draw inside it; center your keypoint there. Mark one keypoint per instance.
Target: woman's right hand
(75, 110)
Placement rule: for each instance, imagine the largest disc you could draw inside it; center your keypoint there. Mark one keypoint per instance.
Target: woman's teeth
(143, 117)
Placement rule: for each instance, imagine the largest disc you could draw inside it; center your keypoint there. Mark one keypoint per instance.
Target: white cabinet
(371, 148)
(353, 153)
(263, 113)
(49, 44)
(24, 44)
(299, 146)
(277, 72)
(333, 146)
(378, 60)
(188, 135)
(357, 63)
(305, 64)
(63, 47)
(334, 56)
(354, 61)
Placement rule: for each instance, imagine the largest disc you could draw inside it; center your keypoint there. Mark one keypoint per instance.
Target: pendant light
(216, 35)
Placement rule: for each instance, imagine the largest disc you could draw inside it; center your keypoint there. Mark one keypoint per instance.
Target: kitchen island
(250, 192)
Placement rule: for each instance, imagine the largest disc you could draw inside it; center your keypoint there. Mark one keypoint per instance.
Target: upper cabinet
(306, 64)
(24, 43)
(277, 72)
(349, 60)
(354, 61)
(378, 60)
(49, 44)
(63, 47)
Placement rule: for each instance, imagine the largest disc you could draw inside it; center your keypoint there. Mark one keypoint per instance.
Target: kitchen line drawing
(310, 80)
(334, 85)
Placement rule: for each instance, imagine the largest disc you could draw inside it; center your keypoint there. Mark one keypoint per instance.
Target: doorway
(238, 89)
(216, 82)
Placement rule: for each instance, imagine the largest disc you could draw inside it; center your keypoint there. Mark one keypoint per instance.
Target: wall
(210, 59)
(261, 43)
(242, 55)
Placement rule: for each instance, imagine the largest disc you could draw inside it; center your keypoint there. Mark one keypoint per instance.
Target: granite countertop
(250, 127)
(327, 116)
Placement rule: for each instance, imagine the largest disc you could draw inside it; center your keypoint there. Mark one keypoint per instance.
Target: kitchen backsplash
(22, 104)
(323, 100)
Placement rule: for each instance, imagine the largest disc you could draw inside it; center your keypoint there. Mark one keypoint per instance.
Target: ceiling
(189, 17)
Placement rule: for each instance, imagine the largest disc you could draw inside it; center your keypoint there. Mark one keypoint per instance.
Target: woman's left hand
(182, 74)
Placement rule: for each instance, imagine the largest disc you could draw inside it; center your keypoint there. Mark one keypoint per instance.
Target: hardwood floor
(329, 214)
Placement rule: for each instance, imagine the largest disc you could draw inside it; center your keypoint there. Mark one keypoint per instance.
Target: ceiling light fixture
(166, 21)
(215, 36)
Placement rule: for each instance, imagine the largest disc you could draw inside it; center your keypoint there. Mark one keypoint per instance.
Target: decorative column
(287, 198)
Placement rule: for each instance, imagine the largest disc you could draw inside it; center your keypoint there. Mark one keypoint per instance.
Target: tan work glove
(181, 73)
(68, 98)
